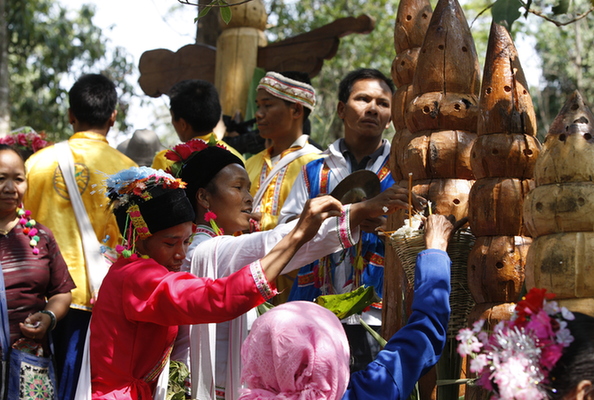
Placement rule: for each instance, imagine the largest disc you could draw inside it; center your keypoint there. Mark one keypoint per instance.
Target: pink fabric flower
(209, 216)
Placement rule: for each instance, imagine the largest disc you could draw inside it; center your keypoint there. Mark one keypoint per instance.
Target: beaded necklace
(29, 229)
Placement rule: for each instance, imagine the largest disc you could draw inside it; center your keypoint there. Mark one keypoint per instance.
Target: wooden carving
(307, 52)
(558, 212)
(412, 20)
(502, 159)
(434, 154)
(568, 150)
(496, 204)
(160, 69)
(504, 154)
(448, 62)
(411, 23)
(496, 268)
(244, 47)
(449, 196)
(560, 208)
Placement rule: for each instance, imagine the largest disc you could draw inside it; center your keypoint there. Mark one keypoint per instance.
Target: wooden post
(436, 119)
(237, 55)
(412, 20)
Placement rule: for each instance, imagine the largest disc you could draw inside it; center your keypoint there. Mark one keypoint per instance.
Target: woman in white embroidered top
(218, 187)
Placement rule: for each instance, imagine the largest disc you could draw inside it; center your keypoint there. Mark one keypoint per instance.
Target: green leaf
(204, 11)
(382, 342)
(561, 7)
(226, 14)
(343, 305)
(505, 12)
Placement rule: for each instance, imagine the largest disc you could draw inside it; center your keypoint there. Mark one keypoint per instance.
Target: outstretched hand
(368, 214)
(316, 210)
(392, 199)
(439, 229)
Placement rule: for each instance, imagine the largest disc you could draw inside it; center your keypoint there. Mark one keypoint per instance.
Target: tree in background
(567, 58)
(44, 43)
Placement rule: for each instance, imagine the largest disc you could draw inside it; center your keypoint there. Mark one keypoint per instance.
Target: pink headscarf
(296, 351)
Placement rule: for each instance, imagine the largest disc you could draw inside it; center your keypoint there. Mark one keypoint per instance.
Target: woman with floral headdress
(143, 296)
(218, 187)
(543, 352)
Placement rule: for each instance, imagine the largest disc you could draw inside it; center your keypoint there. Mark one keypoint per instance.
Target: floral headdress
(197, 163)
(144, 201)
(514, 360)
(25, 139)
(181, 153)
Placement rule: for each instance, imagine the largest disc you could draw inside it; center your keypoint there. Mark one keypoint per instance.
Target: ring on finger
(385, 209)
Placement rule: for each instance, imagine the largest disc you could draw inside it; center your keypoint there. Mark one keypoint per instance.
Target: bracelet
(52, 317)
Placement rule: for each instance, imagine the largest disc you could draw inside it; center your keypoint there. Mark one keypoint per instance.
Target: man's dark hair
(93, 98)
(299, 77)
(346, 84)
(197, 102)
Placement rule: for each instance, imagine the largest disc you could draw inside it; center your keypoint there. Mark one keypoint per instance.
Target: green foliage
(561, 8)
(567, 58)
(46, 43)
(505, 12)
(375, 50)
(222, 5)
(178, 373)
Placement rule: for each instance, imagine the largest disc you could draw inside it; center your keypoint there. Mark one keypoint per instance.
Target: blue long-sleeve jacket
(415, 348)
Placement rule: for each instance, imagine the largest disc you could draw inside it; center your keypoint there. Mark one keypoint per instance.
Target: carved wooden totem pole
(503, 159)
(436, 119)
(412, 21)
(442, 113)
(558, 211)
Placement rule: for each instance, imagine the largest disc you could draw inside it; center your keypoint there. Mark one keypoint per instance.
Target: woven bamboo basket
(461, 302)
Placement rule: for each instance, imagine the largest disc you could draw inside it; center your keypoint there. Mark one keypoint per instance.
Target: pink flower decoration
(209, 216)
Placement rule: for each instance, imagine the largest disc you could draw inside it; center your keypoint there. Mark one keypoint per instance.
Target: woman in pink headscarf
(299, 351)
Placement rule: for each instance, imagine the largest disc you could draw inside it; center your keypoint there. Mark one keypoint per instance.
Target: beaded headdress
(514, 361)
(289, 89)
(145, 201)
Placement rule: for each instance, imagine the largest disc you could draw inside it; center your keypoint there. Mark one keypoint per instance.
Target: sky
(138, 26)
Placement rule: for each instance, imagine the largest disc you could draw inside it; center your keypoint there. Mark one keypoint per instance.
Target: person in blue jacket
(299, 350)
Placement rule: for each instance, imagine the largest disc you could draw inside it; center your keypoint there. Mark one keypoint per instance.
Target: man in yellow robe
(195, 111)
(284, 102)
(92, 113)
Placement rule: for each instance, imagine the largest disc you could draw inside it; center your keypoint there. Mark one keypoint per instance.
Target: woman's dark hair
(577, 362)
(201, 168)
